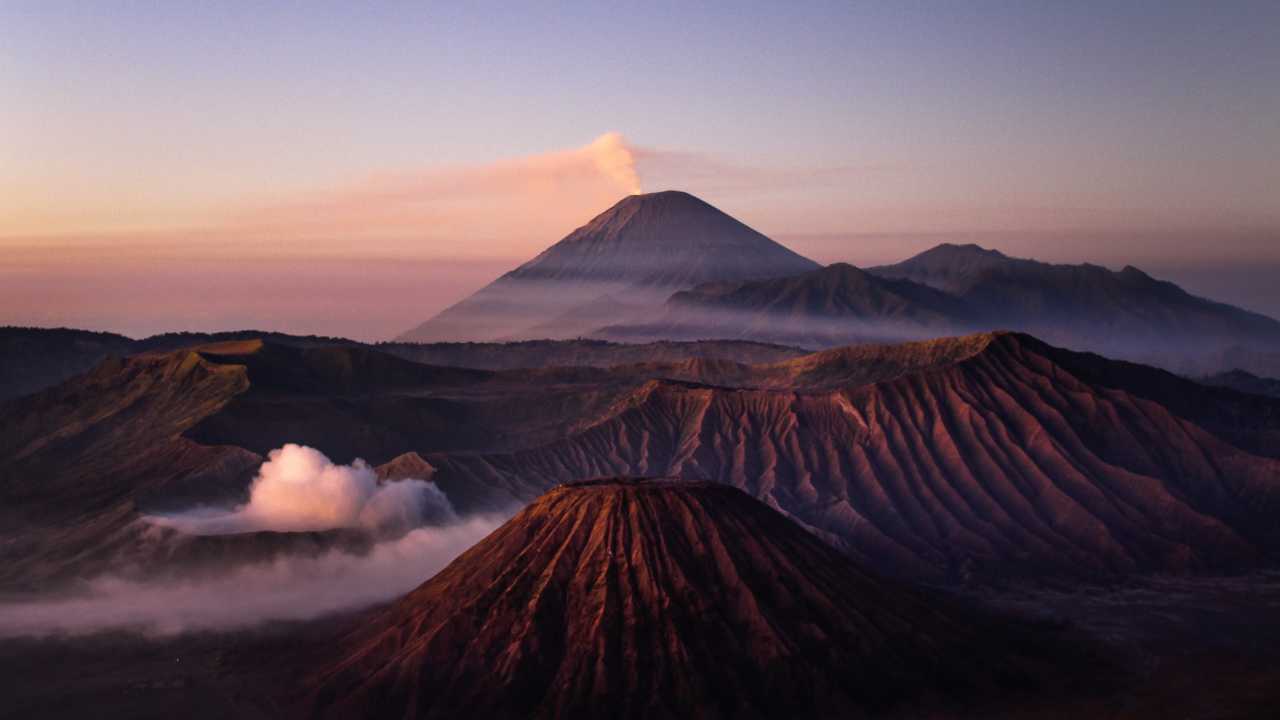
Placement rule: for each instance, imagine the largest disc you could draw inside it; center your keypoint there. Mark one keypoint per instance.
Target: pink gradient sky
(346, 170)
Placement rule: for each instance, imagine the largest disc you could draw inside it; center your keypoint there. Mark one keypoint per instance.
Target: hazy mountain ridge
(954, 289)
(583, 352)
(1125, 312)
(1244, 382)
(32, 359)
(668, 266)
(834, 305)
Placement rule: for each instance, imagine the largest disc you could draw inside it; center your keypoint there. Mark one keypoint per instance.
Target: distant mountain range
(954, 289)
(1125, 313)
(668, 266)
(32, 359)
(835, 305)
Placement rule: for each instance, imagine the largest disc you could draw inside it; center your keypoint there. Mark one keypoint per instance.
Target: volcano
(632, 256)
(660, 598)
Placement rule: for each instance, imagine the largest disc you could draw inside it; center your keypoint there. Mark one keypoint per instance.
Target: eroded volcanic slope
(75, 459)
(640, 598)
(82, 461)
(992, 455)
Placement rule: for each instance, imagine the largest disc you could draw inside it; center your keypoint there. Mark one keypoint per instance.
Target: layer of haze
(288, 588)
(297, 489)
(347, 169)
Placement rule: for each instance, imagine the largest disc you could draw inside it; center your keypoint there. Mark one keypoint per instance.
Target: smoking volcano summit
(632, 256)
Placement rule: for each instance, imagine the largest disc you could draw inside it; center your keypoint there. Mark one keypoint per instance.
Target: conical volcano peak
(667, 215)
(662, 199)
(662, 242)
(655, 217)
(663, 202)
(639, 252)
(631, 598)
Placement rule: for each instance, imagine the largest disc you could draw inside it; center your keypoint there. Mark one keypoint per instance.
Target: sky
(352, 168)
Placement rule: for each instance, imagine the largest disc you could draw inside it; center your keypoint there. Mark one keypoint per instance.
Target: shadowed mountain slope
(32, 359)
(583, 353)
(80, 462)
(76, 459)
(628, 599)
(637, 252)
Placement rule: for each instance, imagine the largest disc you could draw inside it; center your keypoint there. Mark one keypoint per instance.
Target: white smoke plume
(299, 489)
(615, 158)
(542, 197)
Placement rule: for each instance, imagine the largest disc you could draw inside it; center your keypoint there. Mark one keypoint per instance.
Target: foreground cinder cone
(660, 598)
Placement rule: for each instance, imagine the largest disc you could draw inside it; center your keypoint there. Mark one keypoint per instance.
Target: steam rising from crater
(299, 489)
(614, 157)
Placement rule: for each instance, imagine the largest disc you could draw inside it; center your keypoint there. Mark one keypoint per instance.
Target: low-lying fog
(298, 489)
